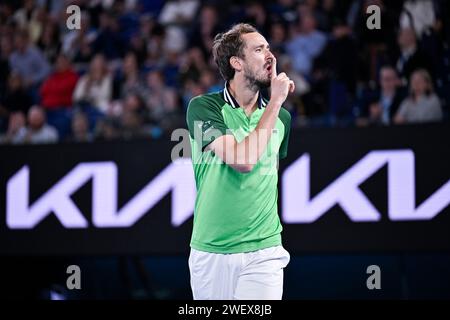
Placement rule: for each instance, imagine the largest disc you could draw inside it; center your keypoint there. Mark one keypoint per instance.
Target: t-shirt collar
(228, 97)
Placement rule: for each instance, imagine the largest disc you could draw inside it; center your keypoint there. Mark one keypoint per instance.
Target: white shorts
(256, 275)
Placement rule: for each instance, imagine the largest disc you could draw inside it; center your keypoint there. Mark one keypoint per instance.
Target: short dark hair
(229, 44)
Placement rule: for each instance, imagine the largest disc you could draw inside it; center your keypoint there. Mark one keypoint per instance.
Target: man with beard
(236, 137)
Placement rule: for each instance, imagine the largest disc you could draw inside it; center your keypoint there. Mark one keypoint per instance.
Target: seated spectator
(49, 42)
(15, 98)
(161, 99)
(255, 13)
(77, 43)
(80, 128)
(107, 129)
(192, 64)
(410, 58)
(128, 78)
(277, 38)
(57, 90)
(38, 131)
(206, 26)
(132, 126)
(95, 88)
(5, 51)
(109, 41)
(387, 101)
(133, 102)
(56, 95)
(28, 60)
(423, 104)
(209, 81)
(16, 128)
(306, 46)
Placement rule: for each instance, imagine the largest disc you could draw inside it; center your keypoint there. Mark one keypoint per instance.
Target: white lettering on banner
(57, 200)
(177, 178)
(297, 207)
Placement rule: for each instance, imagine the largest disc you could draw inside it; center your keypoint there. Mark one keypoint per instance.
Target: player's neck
(245, 96)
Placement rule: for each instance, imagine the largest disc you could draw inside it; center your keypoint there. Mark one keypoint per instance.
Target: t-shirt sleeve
(285, 117)
(205, 121)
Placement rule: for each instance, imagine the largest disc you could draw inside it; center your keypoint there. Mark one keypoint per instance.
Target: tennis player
(237, 137)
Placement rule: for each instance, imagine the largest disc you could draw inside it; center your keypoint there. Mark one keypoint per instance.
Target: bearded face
(257, 61)
(259, 76)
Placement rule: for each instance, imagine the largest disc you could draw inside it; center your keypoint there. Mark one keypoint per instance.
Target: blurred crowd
(132, 67)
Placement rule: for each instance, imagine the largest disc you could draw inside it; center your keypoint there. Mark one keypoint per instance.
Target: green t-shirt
(234, 212)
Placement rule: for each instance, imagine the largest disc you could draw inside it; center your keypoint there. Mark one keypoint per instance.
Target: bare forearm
(250, 150)
(242, 156)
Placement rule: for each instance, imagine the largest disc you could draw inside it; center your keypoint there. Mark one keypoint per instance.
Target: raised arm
(243, 156)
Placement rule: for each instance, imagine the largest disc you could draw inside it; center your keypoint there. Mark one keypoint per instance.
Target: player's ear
(235, 63)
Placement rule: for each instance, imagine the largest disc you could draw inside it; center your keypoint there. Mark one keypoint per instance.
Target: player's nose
(269, 56)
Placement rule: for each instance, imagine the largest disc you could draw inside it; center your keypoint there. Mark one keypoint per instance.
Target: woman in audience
(423, 104)
(94, 89)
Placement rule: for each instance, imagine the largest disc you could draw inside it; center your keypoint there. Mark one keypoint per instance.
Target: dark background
(149, 259)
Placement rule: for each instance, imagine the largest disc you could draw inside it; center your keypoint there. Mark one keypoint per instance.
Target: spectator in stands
(56, 95)
(161, 99)
(410, 58)
(15, 98)
(57, 90)
(293, 102)
(23, 14)
(107, 129)
(5, 51)
(138, 47)
(306, 45)
(283, 10)
(191, 89)
(30, 17)
(192, 64)
(423, 104)
(203, 32)
(155, 47)
(16, 128)
(80, 128)
(94, 89)
(28, 61)
(388, 100)
(133, 102)
(77, 43)
(277, 38)
(109, 41)
(209, 81)
(132, 126)
(333, 80)
(128, 78)
(256, 15)
(38, 131)
(49, 42)
(336, 58)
